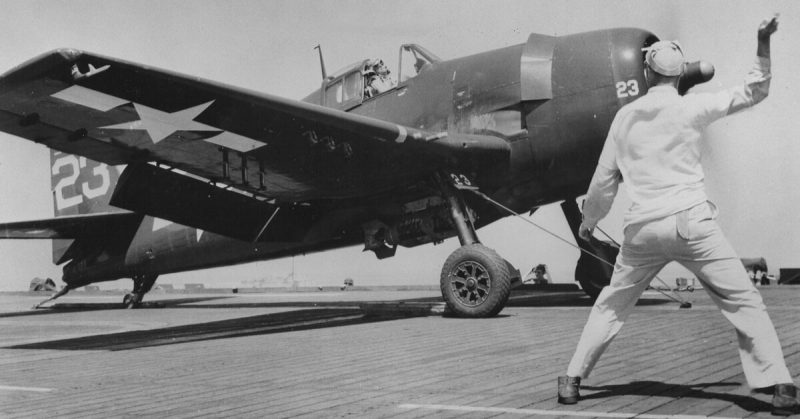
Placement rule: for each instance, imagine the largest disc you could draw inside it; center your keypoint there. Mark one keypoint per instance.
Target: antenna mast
(321, 63)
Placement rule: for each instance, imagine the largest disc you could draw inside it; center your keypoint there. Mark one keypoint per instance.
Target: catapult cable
(683, 303)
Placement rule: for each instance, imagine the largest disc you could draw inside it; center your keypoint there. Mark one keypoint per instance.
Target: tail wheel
(475, 281)
(130, 300)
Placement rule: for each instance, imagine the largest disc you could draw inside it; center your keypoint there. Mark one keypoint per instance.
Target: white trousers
(693, 239)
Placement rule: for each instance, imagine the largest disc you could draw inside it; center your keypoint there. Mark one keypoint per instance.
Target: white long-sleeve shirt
(653, 144)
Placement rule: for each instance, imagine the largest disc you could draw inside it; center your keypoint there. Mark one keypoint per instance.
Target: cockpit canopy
(366, 79)
(413, 60)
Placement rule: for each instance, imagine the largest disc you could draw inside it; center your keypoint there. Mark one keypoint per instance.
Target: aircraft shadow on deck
(518, 299)
(77, 307)
(683, 391)
(537, 299)
(568, 299)
(308, 315)
(303, 319)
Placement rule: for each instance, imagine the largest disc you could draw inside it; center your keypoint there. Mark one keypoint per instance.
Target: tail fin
(80, 186)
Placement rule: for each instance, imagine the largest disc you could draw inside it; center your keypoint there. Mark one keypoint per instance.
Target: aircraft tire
(127, 301)
(475, 282)
(592, 274)
(591, 278)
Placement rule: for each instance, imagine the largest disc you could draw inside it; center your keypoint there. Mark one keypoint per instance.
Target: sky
(750, 158)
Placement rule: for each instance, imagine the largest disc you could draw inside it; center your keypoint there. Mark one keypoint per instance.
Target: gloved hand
(768, 27)
(765, 31)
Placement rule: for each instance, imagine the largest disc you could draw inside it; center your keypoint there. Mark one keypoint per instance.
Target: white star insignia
(160, 125)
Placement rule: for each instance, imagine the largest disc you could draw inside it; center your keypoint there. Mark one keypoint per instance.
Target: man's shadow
(697, 391)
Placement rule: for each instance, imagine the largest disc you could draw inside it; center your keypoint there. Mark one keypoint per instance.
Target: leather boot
(785, 400)
(569, 389)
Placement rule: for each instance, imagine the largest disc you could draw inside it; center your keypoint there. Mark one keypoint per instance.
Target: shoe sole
(567, 400)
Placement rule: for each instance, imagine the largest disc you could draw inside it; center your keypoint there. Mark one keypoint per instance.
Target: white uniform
(653, 144)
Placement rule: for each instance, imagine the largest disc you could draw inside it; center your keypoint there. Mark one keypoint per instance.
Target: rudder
(79, 186)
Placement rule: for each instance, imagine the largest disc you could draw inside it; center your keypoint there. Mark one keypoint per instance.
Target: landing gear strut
(475, 280)
(141, 285)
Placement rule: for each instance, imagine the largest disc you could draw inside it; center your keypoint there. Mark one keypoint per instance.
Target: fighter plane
(155, 172)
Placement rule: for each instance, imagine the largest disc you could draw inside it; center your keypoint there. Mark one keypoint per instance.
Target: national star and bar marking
(158, 124)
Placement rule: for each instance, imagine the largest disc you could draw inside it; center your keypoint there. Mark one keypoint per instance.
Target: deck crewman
(654, 145)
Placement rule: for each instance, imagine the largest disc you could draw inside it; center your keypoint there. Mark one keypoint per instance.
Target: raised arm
(756, 83)
(758, 79)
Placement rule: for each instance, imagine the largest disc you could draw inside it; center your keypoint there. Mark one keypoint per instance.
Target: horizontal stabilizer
(69, 227)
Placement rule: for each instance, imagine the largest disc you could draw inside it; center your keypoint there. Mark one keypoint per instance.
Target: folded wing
(118, 112)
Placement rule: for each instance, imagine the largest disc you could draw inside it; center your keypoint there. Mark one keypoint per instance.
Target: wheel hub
(470, 283)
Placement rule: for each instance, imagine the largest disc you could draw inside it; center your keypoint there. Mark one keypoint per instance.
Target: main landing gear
(141, 285)
(475, 280)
